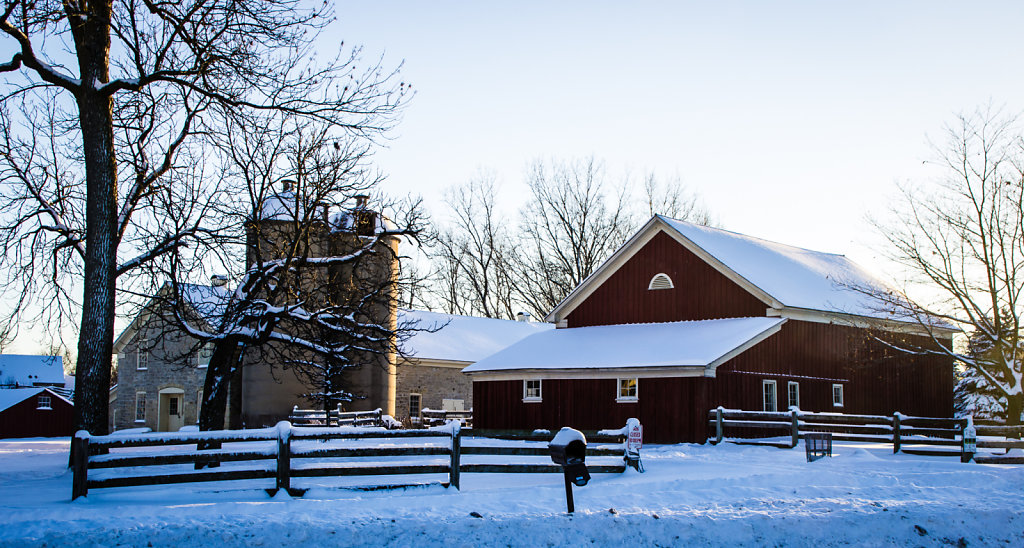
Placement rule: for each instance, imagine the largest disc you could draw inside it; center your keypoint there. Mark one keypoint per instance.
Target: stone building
(160, 369)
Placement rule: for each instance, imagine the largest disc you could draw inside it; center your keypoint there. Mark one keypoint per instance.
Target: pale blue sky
(792, 119)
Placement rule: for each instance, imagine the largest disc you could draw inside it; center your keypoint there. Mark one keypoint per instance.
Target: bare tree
(127, 87)
(671, 198)
(315, 262)
(474, 254)
(568, 228)
(961, 240)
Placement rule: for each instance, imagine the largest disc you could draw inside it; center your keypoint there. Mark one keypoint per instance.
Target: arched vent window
(661, 281)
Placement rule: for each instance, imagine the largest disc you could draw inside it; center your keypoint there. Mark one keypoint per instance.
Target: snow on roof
(9, 397)
(796, 277)
(25, 370)
(463, 338)
(209, 301)
(280, 206)
(689, 343)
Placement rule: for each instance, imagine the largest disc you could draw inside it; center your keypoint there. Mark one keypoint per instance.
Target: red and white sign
(634, 438)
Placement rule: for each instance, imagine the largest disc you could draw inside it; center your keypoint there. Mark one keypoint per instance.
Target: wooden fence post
(80, 463)
(795, 418)
(453, 472)
(719, 426)
(896, 432)
(284, 455)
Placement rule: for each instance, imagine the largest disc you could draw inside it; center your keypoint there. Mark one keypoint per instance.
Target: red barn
(684, 318)
(34, 412)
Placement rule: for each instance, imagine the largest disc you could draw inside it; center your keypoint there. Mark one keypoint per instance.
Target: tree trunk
(216, 387)
(1014, 406)
(95, 344)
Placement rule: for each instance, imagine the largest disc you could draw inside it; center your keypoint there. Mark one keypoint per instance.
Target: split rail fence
(335, 417)
(907, 434)
(284, 452)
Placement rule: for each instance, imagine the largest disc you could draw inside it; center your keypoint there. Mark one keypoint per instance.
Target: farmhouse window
(768, 387)
(531, 390)
(837, 395)
(204, 355)
(43, 402)
(627, 390)
(141, 357)
(415, 401)
(793, 389)
(660, 281)
(140, 407)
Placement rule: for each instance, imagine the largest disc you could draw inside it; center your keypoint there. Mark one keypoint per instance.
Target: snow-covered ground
(690, 496)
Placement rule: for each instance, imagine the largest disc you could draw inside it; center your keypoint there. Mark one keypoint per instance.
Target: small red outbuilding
(34, 412)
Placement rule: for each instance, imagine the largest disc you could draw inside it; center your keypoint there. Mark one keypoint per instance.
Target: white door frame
(162, 421)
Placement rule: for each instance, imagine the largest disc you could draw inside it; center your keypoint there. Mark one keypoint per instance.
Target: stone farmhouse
(161, 370)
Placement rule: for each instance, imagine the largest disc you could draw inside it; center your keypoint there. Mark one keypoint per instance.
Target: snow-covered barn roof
(462, 338)
(661, 349)
(790, 280)
(23, 370)
(9, 397)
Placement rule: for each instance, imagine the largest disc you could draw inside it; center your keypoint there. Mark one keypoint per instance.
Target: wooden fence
(336, 417)
(436, 417)
(285, 452)
(913, 435)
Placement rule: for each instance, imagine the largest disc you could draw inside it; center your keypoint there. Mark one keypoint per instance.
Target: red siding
(876, 380)
(25, 420)
(667, 408)
(700, 292)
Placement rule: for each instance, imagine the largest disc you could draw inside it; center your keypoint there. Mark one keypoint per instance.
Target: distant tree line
(484, 264)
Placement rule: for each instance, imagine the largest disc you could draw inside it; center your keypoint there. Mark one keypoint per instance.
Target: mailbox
(569, 450)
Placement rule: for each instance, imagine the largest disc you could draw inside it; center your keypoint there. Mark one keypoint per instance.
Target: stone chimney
(218, 280)
(523, 317)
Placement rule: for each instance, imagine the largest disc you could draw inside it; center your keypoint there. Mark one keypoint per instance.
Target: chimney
(218, 280)
(523, 317)
(361, 201)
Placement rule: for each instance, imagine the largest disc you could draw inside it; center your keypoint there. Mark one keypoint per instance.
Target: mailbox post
(569, 450)
(968, 441)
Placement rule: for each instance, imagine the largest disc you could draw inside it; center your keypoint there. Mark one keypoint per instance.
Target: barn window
(793, 390)
(627, 390)
(204, 355)
(660, 281)
(415, 404)
(837, 395)
(43, 402)
(768, 387)
(140, 407)
(531, 390)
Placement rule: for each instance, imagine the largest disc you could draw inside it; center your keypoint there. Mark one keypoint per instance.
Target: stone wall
(434, 383)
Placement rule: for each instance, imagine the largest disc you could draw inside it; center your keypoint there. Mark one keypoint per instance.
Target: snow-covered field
(690, 496)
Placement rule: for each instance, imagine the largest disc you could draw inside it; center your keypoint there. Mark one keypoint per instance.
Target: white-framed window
(415, 406)
(770, 401)
(660, 281)
(204, 354)
(43, 402)
(532, 390)
(140, 407)
(628, 390)
(142, 355)
(837, 395)
(793, 391)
